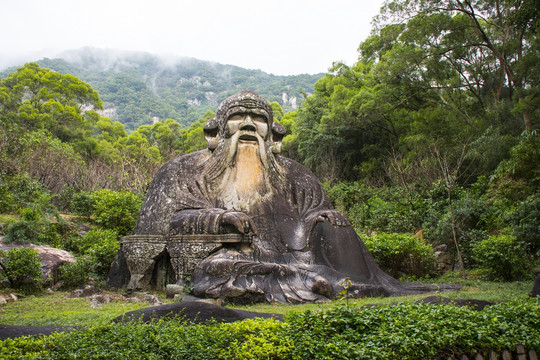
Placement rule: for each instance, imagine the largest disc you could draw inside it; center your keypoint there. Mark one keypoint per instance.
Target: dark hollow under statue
(246, 224)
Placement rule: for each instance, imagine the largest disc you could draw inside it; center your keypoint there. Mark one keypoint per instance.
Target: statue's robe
(293, 258)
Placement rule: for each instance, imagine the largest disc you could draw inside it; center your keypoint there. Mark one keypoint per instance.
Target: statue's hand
(334, 217)
(240, 221)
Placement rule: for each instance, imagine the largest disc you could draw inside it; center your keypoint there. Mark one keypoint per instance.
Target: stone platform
(155, 261)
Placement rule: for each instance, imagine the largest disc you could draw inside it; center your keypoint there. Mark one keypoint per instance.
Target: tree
(34, 98)
(490, 47)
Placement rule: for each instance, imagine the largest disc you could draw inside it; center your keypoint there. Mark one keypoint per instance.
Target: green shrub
(33, 229)
(101, 246)
(24, 232)
(525, 223)
(399, 254)
(76, 274)
(503, 257)
(413, 331)
(116, 210)
(96, 250)
(21, 267)
(82, 204)
(22, 190)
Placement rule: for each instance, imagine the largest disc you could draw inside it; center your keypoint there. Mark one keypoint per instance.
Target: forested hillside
(432, 133)
(139, 88)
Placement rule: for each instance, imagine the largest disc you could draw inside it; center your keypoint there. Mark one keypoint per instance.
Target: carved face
(249, 125)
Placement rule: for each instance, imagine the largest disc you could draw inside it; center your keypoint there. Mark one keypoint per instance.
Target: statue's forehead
(242, 110)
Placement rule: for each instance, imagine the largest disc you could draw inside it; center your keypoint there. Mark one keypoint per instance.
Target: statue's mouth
(247, 138)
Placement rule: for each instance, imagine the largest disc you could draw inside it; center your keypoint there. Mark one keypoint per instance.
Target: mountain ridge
(140, 88)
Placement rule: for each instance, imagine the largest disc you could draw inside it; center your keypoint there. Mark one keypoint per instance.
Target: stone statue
(275, 235)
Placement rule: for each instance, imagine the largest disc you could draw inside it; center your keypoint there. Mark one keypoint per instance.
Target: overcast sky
(283, 37)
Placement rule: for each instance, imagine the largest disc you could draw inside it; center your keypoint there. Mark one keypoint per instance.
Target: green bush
(19, 191)
(21, 267)
(525, 223)
(413, 331)
(101, 246)
(78, 273)
(82, 204)
(399, 254)
(503, 257)
(116, 210)
(24, 232)
(34, 229)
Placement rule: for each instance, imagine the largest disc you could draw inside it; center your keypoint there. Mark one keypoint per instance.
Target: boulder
(477, 305)
(152, 300)
(85, 291)
(444, 260)
(173, 289)
(97, 300)
(14, 331)
(51, 259)
(193, 310)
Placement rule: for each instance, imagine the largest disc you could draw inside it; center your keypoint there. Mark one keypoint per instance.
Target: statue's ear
(211, 133)
(278, 132)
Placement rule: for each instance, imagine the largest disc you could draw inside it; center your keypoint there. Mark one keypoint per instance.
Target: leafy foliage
(503, 257)
(116, 211)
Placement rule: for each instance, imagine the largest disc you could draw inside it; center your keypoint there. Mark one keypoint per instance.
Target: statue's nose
(248, 124)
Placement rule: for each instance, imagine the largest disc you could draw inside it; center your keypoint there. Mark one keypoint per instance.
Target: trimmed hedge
(403, 331)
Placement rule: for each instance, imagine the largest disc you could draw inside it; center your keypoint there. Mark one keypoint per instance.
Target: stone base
(155, 261)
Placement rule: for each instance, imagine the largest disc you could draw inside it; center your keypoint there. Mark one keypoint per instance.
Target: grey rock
(193, 310)
(173, 289)
(477, 305)
(97, 300)
(152, 300)
(85, 291)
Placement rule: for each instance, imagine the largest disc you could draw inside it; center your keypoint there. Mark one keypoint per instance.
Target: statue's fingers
(235, 221)
(332, 218)
(253, 227)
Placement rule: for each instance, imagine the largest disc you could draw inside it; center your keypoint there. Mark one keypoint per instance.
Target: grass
(56, 309)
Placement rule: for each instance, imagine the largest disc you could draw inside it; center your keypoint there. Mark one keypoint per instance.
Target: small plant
(347, 284)
(21, 267)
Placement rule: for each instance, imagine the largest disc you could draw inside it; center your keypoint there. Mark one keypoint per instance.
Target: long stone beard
(242, 174)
